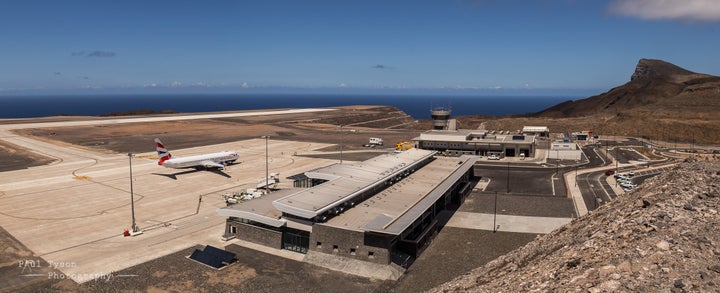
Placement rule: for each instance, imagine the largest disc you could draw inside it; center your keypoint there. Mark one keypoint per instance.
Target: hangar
(382, 210)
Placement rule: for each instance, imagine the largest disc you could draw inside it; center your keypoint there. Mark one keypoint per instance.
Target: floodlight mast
(133, 226)
(267, 175)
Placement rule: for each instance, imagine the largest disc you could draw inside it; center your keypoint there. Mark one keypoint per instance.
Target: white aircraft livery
(214, 160)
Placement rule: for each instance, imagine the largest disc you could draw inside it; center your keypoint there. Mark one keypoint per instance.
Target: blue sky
(549, 46)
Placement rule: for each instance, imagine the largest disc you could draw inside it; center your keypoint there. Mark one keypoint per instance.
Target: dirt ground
(13, 157)
(253, 272)
(23, 271)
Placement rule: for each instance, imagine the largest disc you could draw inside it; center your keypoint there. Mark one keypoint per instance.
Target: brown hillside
(656, 86)
(661, 102)
(661, 237)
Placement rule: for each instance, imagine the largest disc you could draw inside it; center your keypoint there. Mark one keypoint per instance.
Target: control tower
(441, 119)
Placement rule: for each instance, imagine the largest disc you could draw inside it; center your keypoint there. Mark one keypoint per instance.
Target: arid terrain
(661, 102)
(659, 238)
(13, 157)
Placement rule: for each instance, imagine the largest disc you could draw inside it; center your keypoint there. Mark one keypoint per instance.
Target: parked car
(493, 157)
(627, 185)
(609, 172)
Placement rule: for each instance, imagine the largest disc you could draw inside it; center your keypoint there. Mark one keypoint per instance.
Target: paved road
(595, 189)
(595, 157)
(643, 174)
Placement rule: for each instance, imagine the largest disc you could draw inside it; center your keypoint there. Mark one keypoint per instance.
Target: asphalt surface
(595, 189)
(522, 180)
(595, 157)
(624, 156)
(642, 175)
(519, 205)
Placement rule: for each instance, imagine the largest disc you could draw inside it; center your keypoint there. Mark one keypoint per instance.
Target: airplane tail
(163, 153)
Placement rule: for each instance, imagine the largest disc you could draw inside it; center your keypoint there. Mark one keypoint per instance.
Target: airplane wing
(211, 164)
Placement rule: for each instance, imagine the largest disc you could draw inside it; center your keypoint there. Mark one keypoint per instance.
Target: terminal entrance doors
(296, 240)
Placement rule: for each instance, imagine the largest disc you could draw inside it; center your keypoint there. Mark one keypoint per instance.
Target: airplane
(208, 161)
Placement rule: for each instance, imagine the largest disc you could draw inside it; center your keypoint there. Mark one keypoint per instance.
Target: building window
(233, 230)
(371, 254)
(335, 248)
(319, 244)
(352, 251)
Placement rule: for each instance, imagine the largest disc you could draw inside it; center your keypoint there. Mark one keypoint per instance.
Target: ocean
(416, 106)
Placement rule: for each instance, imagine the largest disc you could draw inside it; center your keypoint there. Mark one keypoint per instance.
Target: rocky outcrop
(657, 69)
(661, 237)
(655, 86)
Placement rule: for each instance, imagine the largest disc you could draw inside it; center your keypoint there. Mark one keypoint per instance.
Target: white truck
(374, 141)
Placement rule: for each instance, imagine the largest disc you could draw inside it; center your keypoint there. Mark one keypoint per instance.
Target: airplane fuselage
(214, 160)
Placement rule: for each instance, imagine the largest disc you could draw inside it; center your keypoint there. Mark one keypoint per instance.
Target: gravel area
(520, 205)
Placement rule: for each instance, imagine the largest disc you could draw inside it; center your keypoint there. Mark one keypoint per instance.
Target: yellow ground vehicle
(403, 146)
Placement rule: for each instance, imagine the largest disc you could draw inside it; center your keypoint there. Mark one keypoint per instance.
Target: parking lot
(643, 174)
(517, 180)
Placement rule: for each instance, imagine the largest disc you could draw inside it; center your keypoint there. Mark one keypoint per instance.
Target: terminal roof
(345, 181)
(393, 210)
(258, 209)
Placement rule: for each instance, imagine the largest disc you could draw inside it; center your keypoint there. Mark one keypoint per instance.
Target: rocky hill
(661, 102)
(655, 85)
(662, 237)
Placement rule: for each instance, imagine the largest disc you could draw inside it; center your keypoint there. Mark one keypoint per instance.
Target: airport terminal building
(383, 210)
(476, 142)
(447, 139)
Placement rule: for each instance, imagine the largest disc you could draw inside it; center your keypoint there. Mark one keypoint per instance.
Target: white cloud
(692, 10)
(245, 85)
(342, 85)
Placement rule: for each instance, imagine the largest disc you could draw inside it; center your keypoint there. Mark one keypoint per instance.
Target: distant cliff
(656, 86)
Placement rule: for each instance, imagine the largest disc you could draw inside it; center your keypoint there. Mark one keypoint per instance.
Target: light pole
(693, 145)
(616, 164)
(577, 163)
(133, 226)
(267, 175)
(495, 214)
(508, 177)
(342, 138)
(557, 160)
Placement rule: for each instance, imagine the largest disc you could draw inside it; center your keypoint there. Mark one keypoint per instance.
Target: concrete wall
(255, 234)
(346, 243)
(574, 155)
